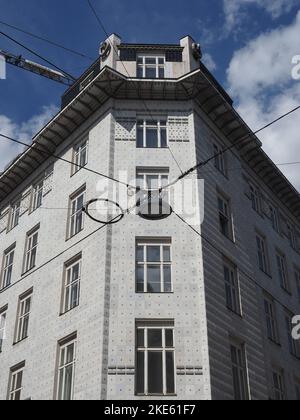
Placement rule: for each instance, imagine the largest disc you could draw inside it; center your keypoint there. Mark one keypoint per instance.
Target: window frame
(30, 252)
(3, 321)
(225, 215)
(144, 66)
(145, 124)
(220, 160)
(37, 195)
(74, 198)
(294, 345)
(255, 196)
(283, 272)
(15, 214)
(232, 287)
(163, 350)
(279, 392)
(240, 374)
(78, 150)
(13, 380)
(23, 317)
(274, 216)
(264, 256)
(63, 346)
(68, 267)
(271, 320)
(7, 267)
(162, 264)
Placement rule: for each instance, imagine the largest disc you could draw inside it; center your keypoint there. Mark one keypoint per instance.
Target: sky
(247, 44)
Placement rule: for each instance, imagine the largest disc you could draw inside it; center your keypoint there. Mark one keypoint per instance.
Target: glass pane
(19, 380)
(151, 72)
(167, 253)
(140, 137)
(140, 338)
(152, 182)
(140, 254)
(155, 373)
(140, 374)
(151, 138)
(60, 387)
(68, 383)
(150, 60)
(161, 72)
(153, 279)
(169, 338)
(163, 137)
(140, 279)
(74, 295)
(140, 72)
(70, 353)
(153, 253)
(167, 279)
(154, 339)
(170, 372)
(75, 275)
(140, 60)
(161, 60)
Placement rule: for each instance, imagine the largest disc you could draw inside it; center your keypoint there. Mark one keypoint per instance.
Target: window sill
(67, 312)
(239, 315)
(228, 238)
(73, 236)
(276, 343)
(21, 341)
(156, 395)
(288, 292)
(266, 274)
(76, 172)
(25, 273)
(154, 293)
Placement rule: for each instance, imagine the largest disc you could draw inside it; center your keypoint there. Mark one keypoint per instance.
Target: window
(225, 217)
(80, 158)
(155, 359)
(232, 288)
(294, 345)
(37, 197)
(71, 290)
(153, 267)
(2, 327)
(255, 198)
(271, 319)
(15, 214)
(15, 383)
(278, 386)
(31, 250)
(76, 215)
(152, 134)
(274, 218)
(220, 160)
(151, 67)
(297, 277)
(262, 254)
(24, 310)
(292, 236)
(8, 261)
(239, 372)
(282, 271)
(150, 180)
(66, 369)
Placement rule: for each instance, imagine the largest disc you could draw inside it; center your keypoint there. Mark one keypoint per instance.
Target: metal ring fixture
(117, 219)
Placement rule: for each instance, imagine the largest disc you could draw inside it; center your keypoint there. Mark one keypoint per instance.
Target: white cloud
(209, 62)
(23, 132)
(235, 9)
(259, 78)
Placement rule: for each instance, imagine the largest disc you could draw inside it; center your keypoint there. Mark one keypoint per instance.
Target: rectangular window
(148, 183)
(278, 386)
(292, 236)
(225, 217)
(274, 218)
(31, 250)
(76, 221)
(294, 345)
(152, 134)
(262, 254)
(7, 268)
(220, 160)
(282, 271)
(66, 369)
(24, 310)
(271, 320)
(153, 266)
(232, 288)
(151, 67)
(15, 383)
(239, 372)
(255, 198)
(2, 327)
(37, 197)
(80, 156)
(71, 289)
(155, 359)
(15, 215)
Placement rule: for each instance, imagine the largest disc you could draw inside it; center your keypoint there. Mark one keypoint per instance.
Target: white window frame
(80, 150)
(144, 124)
(271, 320)
(3, 319)
(70, 284)
(145, 244)
(157, 66)
(292, 236)
(7, 267)
(262, 253)
(63, 365)
(274, 218)
(37, 195)
(240, 372)
(232, 288)
(31, 245)
(220, 159)
(163, 350)
(23, 317)
(282, 269)
(15, 215)
(225, 214)
(279, 391)
(76, 212)
(13, 382)
(142, 176)
(255, 198)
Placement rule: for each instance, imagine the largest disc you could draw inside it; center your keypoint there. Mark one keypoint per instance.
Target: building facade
(145, 309)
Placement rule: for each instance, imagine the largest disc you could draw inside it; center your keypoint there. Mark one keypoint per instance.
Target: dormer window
(150, 67)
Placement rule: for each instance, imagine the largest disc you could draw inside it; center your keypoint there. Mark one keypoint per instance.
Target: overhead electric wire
(133, 82)
(55, 44)
(216, 248)
(38, 55)
(49, 154)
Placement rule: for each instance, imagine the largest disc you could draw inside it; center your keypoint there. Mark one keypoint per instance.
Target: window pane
(151, 138)
(153, 253)
(163, 137)
(170, 372)
(161, 60)
(161, 73)
(140, 338)
(151, 72)
(140, 374)
(68, 383)
(140, 254)
(167, 254)
(169, 338)
(140, 137)
(154, 339)
(153, 277)
(155, 373)
(140, 279)
(150, 60)
(167, 279)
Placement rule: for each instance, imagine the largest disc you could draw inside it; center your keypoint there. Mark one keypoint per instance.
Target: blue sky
(248, 45)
